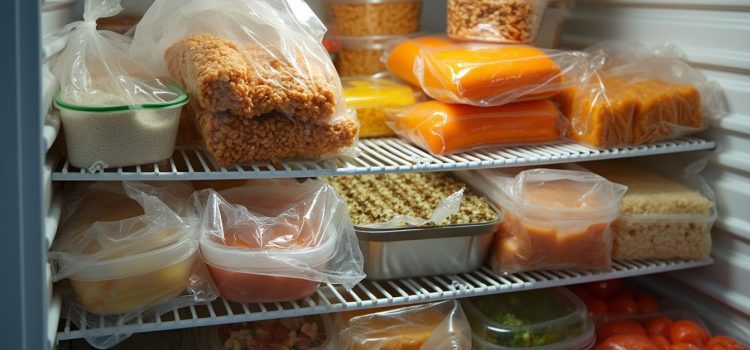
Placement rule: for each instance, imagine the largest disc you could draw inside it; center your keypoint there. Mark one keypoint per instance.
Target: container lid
(434, 232)
(371, 42)
(378, 92)
(132, 265)
(174, 98)
(367, 1)
(530, 319)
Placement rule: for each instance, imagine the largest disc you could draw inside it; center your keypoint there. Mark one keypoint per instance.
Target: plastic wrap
(272, 59)
(371, 97)
(127, 249)
(442, 128)
(277, 241)
(640, 95)
(503, 21)
(483, 74)
(667, 212)
(435, 326)
(109, 101)
(553, 219)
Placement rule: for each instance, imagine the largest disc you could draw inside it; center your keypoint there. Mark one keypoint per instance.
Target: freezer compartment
(415, 252)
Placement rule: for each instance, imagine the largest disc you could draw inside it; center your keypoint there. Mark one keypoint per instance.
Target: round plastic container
(362, 56)
(99, 137)
(502, 21)
(373, 17)
(545, 319)
(131, 282)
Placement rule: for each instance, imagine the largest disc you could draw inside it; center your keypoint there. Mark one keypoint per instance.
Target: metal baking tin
(425, 251)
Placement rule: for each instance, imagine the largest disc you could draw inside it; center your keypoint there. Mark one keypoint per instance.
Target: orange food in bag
(618, 111)
(476, 74)
(443, 128)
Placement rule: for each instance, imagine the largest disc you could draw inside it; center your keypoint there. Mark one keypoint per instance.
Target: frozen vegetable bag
(250, 65)
(484, 74)
(277, 241)
(435, 326)
(640, 95)
(553, 219)
(126, 249)
(115, 111)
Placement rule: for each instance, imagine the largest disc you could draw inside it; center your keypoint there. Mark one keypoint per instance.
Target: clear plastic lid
(540, 319)
(367, 1)
(378, 92)
(168, 97)
(365, 42)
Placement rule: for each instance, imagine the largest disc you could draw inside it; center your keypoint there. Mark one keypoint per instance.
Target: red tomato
(619, 327)
(596, 306)
(685, 331)
(660, 342)
(647, 304)
(622, 305)
(659, 326)
(626, 342)
(604, 289)
(724, 343)
(580, 291)
(685, 346)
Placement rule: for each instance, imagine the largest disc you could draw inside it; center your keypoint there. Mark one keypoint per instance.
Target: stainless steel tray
(425, 251)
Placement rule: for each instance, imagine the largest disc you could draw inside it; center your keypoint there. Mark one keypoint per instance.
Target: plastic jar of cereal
(362, 55)
(373, 17)
(502, 21)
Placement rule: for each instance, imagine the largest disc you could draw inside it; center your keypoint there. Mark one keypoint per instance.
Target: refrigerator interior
(713, 34)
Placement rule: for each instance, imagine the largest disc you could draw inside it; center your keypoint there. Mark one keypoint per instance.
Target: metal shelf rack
(370, 294)
(384, 155)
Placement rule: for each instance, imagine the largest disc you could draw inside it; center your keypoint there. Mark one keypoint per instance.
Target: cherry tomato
(596, 306)
(626, 342)
(660, 342)
(659, 326)
(685, 331)
(619, 327)
(604, 289)
(722, 342)
(685, 346)
(622, 305)
(647, 304)
(580, 291)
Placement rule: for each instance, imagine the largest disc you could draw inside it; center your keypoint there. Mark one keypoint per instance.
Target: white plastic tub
(100, 137)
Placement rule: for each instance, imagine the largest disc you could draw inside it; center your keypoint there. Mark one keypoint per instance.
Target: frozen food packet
(485, 74)
(553, 219)
(96, 68)
(435, 326)
(640, 95)
(273, 59)
(127, 250)
(277, 241)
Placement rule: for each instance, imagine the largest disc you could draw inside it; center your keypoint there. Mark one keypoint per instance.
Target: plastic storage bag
(127, 249)
(553, 219)
(667, 212)
(435, 326)
(640, 95)
(483, 74)
(115, 112)
(277, 241)
(443, 128)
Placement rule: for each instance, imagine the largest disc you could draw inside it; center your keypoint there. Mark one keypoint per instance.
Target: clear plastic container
(373, 17)
(245, 273)
(371, 97)
(502, 21)
(544, 319)
(361, 56)
(131, 282)
(105, 136)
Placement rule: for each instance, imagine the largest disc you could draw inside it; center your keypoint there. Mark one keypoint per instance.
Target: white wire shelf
(370, 294)
(384, 155)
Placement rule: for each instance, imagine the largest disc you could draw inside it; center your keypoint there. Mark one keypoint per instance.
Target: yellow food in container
(371, 97)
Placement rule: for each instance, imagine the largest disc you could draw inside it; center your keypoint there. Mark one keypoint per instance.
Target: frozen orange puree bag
(443, 128)
(486, 74)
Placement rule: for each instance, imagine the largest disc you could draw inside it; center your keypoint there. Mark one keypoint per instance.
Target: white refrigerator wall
(715, 35)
